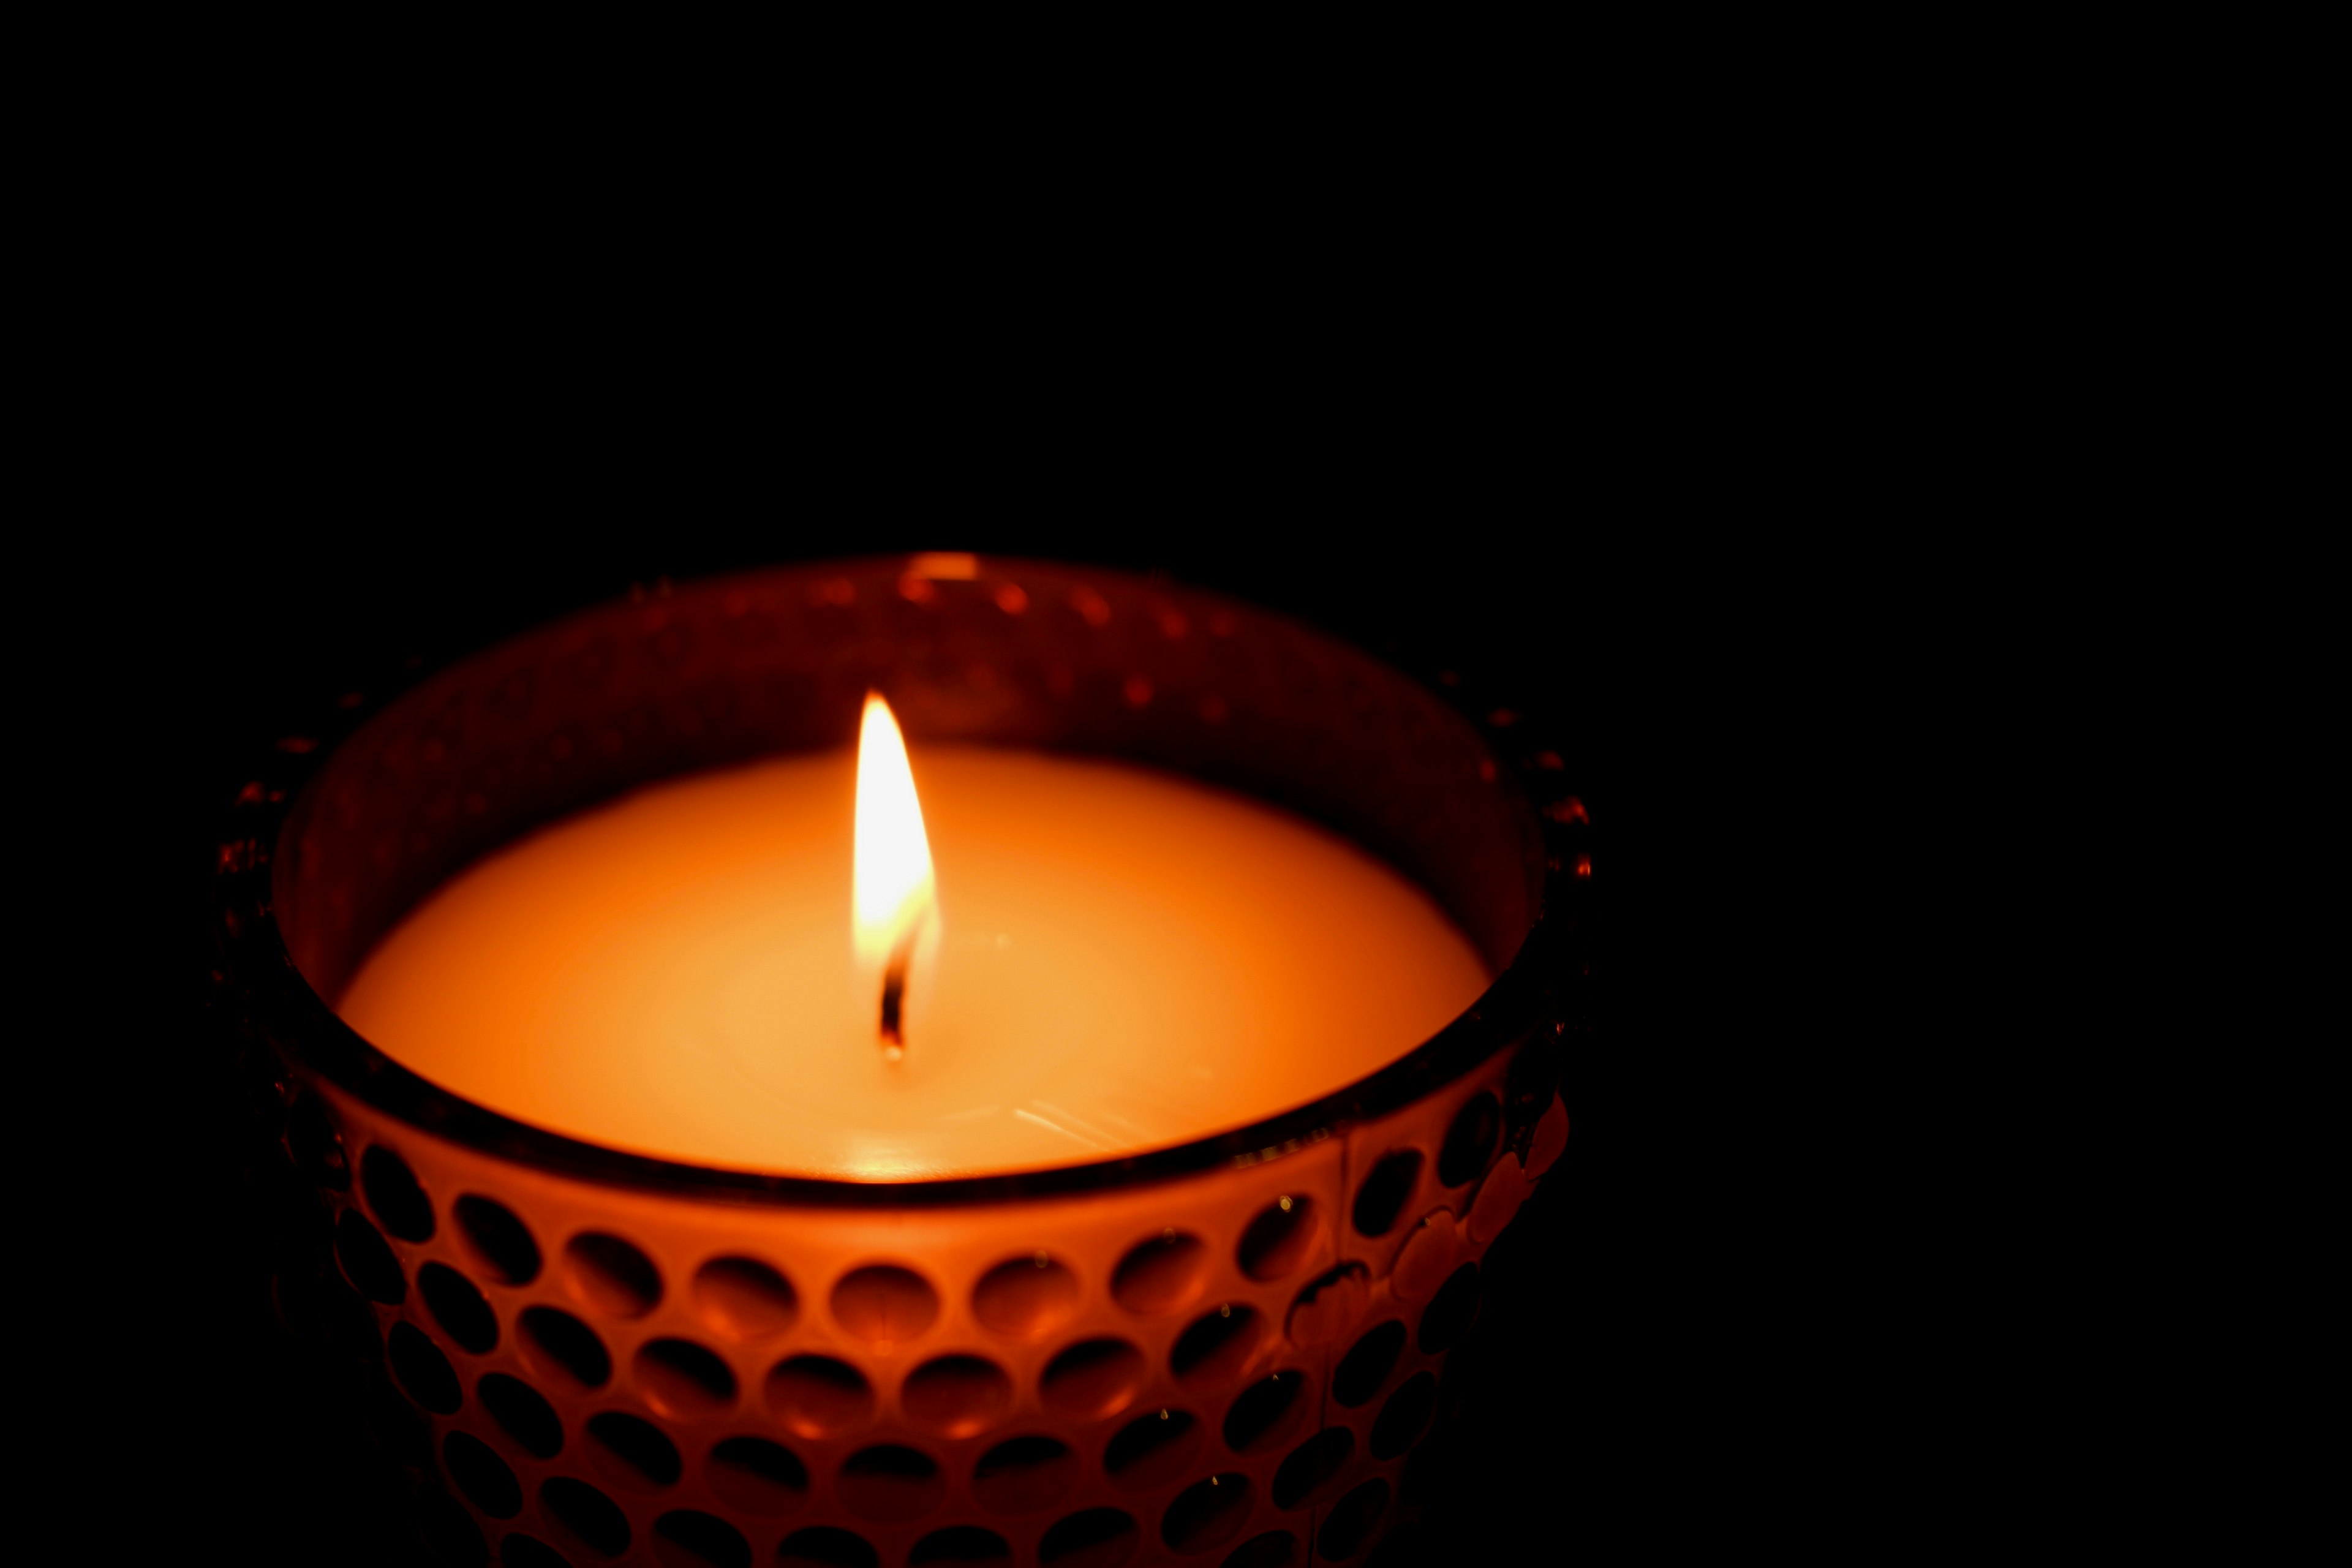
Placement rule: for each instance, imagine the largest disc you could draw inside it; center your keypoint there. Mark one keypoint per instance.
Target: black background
(358, 553)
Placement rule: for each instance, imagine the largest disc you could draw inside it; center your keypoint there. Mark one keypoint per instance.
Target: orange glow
(948, 566)
(891, 878)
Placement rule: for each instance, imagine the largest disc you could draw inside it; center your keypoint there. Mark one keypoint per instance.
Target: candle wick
(894, 989)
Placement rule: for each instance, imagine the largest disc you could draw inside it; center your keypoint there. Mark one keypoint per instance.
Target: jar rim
(1533, 992)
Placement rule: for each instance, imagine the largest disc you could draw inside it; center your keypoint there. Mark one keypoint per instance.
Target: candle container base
(1223, 1352)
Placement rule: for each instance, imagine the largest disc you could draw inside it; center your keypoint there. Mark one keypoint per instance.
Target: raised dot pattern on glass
(736, 1308)
(952, 1396)
(1024, 1486)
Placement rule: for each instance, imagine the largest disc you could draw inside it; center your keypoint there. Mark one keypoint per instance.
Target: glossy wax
(1122, 961)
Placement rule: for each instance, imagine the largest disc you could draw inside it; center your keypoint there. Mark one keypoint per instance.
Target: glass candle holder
(1224, 1350)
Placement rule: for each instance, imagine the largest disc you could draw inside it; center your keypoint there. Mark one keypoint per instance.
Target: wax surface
(1124, 960)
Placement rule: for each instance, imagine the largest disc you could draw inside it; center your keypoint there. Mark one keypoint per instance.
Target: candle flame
(891, 881)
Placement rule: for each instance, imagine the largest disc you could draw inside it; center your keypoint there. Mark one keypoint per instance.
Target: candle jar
(1223, 1352)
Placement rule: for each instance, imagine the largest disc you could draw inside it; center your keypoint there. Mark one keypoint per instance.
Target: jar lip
(280, 1003)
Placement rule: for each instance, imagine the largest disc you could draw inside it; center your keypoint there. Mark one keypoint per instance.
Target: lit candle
(1081, 960)
(694, 1001)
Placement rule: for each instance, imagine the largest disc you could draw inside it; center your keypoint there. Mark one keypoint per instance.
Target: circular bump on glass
(1216, 1349)
(1470, 1140)
(1426, 1256)
(1450, 1311)
(1405, 1416)
(1311, 1466)
(1091, 1538)
(1092, 1378)
(826, 1546)
(458, 1308)
(885, 1305)
(529, 1551)
(888, 1484)
(1091, 606)
(762, 1478)
(1328, 1307)
(1025, 1475)
(956, 1396)
(1280, 1239)
(390, 1187)
(1367, 1364)
(818, 1396)
(1383, 1195)
(1025, 1298)
(688, 1537)
(317, 1147)
(1164, 1274)
(1351, 1521)
(1267, 1413)
(683, 1380)
(1207, 1514)
(488, 1481)
(584, 1519)
(961, 1543)
(610, 1274)
(497, 1239)
(1498, 1200)
(367, 1261)
(1152, 1450)
(521, 1414)
(562, 1348)
(631, 1453)
(742, 1300)
(423, 1371)
(1274, 1549)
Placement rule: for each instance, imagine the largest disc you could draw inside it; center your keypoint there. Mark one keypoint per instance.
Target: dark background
(1575, 1430)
